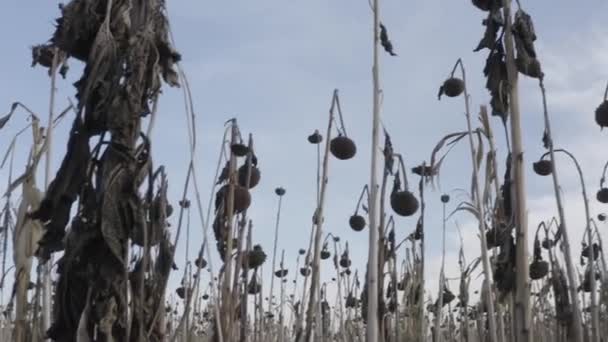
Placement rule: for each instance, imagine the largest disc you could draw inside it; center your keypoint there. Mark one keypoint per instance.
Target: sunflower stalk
(439, 309)
(274, 253)
(372, 329)
(594, 308)
(576, 326)
(487, 267)
(226, 310)
(522, 286)
(318, 223)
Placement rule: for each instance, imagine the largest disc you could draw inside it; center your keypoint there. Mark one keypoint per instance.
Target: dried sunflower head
(342, 147)
(254, 178)
(315, 138)
(404, 203)
(601, 114)
(602, 195)
(357, 222)
(538, 269)
(452, 87)
(543, 167)
(239, 150)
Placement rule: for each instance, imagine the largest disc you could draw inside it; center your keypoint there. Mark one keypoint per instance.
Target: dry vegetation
(105, 213)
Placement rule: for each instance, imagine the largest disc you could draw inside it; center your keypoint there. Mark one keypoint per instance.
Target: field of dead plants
(347, 237)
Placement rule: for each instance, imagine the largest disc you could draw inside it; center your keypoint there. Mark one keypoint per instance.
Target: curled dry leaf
(385, 41)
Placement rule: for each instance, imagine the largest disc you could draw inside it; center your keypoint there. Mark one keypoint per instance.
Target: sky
(274, 65)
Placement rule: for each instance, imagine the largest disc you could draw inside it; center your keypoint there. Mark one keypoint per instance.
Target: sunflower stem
(372, 334)
(522, 286)
(487, 267)
(562, 227)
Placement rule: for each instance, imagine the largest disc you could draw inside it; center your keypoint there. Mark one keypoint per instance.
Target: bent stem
(314, 286)
(595, 322)
(563, 230)
(487, 267)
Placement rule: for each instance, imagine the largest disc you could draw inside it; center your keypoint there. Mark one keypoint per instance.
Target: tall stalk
(274, 254)
(318, 218)
(46, 268)
(478, 202)
(227, 278)
(522, 286)
(593, 305)
(576, 325)
(282, 299)
(499, 202)
(438, 310)
(372, 260)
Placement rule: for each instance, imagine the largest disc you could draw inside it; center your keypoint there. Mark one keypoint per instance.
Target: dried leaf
(493, 23)
(389, 161)
(468, 207)
(546, 140)
(385, 42)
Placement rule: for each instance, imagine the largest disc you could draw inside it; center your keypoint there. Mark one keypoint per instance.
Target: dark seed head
(357, 222)
(315, 138)
(342, 147)
(302, 251)
(254, 178)
(253, 287)
(181, 292)
(453, 87)
(279, 191)
(445, 198)
(344, 262)
(601, 114)
(448, 296)
(239, 150)
(242, 197)
(281, 273)
(200, 262)
(601, 217)
(587, 251)
(256, 257)
(602, 195)
(404, 203)
(325, 254)
(542, 167)
(305, 271)
(538, 269)
(483, 5)
(495, 237)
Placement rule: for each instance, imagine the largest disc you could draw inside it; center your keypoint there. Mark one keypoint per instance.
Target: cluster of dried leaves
(126, 50)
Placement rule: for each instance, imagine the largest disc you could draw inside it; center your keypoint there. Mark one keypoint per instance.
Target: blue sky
(274, 65)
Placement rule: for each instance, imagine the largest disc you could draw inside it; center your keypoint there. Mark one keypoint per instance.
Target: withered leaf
(385, 42)
(523, 31)
(389, 161)
(546, 140)
(424, 170)
(493, 23)
(4, 120)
